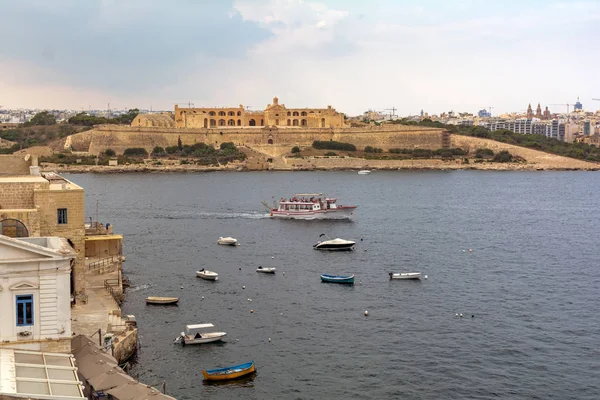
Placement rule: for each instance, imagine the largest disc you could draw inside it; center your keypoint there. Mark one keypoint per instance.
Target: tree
(369, 149)
(158, 150)
(295, 149)
(179, 144)
(503, 156)
(109, 153)
(41, 118)
(135, 151)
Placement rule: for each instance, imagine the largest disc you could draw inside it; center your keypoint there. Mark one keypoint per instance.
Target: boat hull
(406, 276)
(348, 280)
(344, 212)
(266, 270)
(211, 276)
(335, 247)
(228, 373)
(213, 337)
(162, 300)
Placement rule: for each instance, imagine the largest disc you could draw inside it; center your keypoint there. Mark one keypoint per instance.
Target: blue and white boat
(348, 279)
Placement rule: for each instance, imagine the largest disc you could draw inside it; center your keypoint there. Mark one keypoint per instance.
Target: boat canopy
(308, 194)
(199, 326)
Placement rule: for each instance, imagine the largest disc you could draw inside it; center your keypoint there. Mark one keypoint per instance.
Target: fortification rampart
(272, 141)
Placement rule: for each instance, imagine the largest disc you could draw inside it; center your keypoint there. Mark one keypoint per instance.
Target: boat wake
(136, 288)
(216, 215)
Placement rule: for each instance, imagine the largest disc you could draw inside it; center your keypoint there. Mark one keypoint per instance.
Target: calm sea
(528, 291)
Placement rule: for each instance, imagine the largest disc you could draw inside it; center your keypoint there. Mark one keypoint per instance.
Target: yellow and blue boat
(348, 279)
(233, 372)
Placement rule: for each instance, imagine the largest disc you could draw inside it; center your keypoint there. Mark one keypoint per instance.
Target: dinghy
(266, 270)
(161, 300)
(348, 279)
(196, 334)
(208, 275)
(227, 241)
(405, 275)
(233, 372)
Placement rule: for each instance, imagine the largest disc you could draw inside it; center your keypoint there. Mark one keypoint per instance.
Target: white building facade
(35, 293)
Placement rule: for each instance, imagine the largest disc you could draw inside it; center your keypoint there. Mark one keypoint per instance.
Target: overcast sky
(435, 55)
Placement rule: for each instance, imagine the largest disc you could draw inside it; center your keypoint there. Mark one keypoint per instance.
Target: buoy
(237, 340)
(251, 311)
(470, 250)
(273, 257)
(240, 268)
(182, 287)
(366, 313)
(284, 272)
(456, 315)
(464, 251)
(460, 315)
(472, 316)
(244, 287)
(280, 313)
(202, 297)
(249, 299)
(425, 276)
(269, 339)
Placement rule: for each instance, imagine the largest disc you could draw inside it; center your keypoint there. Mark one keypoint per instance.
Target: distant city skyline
(461, 55)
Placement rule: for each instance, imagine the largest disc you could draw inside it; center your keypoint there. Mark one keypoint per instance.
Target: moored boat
(348, 279)
(233, 372)
(266, 270)
(309, 206)
(208, 275)
(336, 244)
(405, 275)
(196, 334)
(364, 172)
(161, 300)
(227, 241)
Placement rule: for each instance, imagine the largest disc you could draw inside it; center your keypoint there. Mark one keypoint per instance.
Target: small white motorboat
(336, 244)
(208, 275)
(364, 172)
(227, 241)
(196, 334)
(161, 300)
(266, 270)
(405, 275)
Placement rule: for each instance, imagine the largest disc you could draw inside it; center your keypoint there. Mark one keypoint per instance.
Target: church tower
(529, 111)
(538, 112)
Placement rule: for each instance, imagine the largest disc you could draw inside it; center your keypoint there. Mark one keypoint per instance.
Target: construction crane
(392, 111)
(490, 109)
(189, 104)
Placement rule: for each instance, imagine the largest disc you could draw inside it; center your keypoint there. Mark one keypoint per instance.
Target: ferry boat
(310, 206)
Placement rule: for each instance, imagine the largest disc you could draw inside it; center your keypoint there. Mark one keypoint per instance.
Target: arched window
(289, 122)
(239, 113)
(252, 122)
(221, 122)
(322, 122)
(270, 141)
(262, 122)
(221, 113)
(239, 122)
(205, 123)
(303, 113)
(289, 113)
(295, 114)
(303, 122)
(213, 122)
(231, 122)
(295, 122)
(13, 228)
(231, 113)
(212, 113)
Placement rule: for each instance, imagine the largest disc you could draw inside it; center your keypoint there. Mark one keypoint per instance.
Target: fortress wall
(120, 138)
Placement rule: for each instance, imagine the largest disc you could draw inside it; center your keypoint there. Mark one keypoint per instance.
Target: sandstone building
(274, 115)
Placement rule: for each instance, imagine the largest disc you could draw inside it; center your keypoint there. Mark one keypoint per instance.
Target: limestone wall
(120, 138)
(19, 194)
(28, 217)
(14, 165)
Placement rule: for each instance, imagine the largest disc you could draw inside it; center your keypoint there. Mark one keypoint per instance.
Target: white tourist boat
(336, 244)
(197, 334)
(227, 241)
(364, 172)
(405, 275)
(208, 275)
(266, 270)
(309, 206)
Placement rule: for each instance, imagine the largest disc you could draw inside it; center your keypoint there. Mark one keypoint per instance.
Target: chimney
(34, 169)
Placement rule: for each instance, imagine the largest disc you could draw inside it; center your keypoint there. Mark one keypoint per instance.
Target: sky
(431, 55)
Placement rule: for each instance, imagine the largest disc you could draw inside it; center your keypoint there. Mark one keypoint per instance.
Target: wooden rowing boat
(348, 279)
(161, 300)
(233, 372)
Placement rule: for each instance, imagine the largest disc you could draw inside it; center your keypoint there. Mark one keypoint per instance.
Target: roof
(50, 247)
(34, 374)
(199, 326)
(308, 194)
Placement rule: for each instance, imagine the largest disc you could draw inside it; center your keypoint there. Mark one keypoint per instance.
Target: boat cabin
(307, 202)
(195, 331)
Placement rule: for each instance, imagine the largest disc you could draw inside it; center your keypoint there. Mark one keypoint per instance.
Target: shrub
(369, 149)
(172, 149)
(109, 153)
(484, 153)
(331, 153)
(401, 151)
(422, 153)
(333, 145)
(377, 150)
(295, 149)
(135, 152)
(502, 157)
(228, 146)
(158, 150)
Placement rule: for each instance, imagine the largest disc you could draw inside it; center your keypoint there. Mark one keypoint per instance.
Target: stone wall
(56, 346)
(14, 165)
(19, 194)
(125, 345)
(119, 137)
(30, 218)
